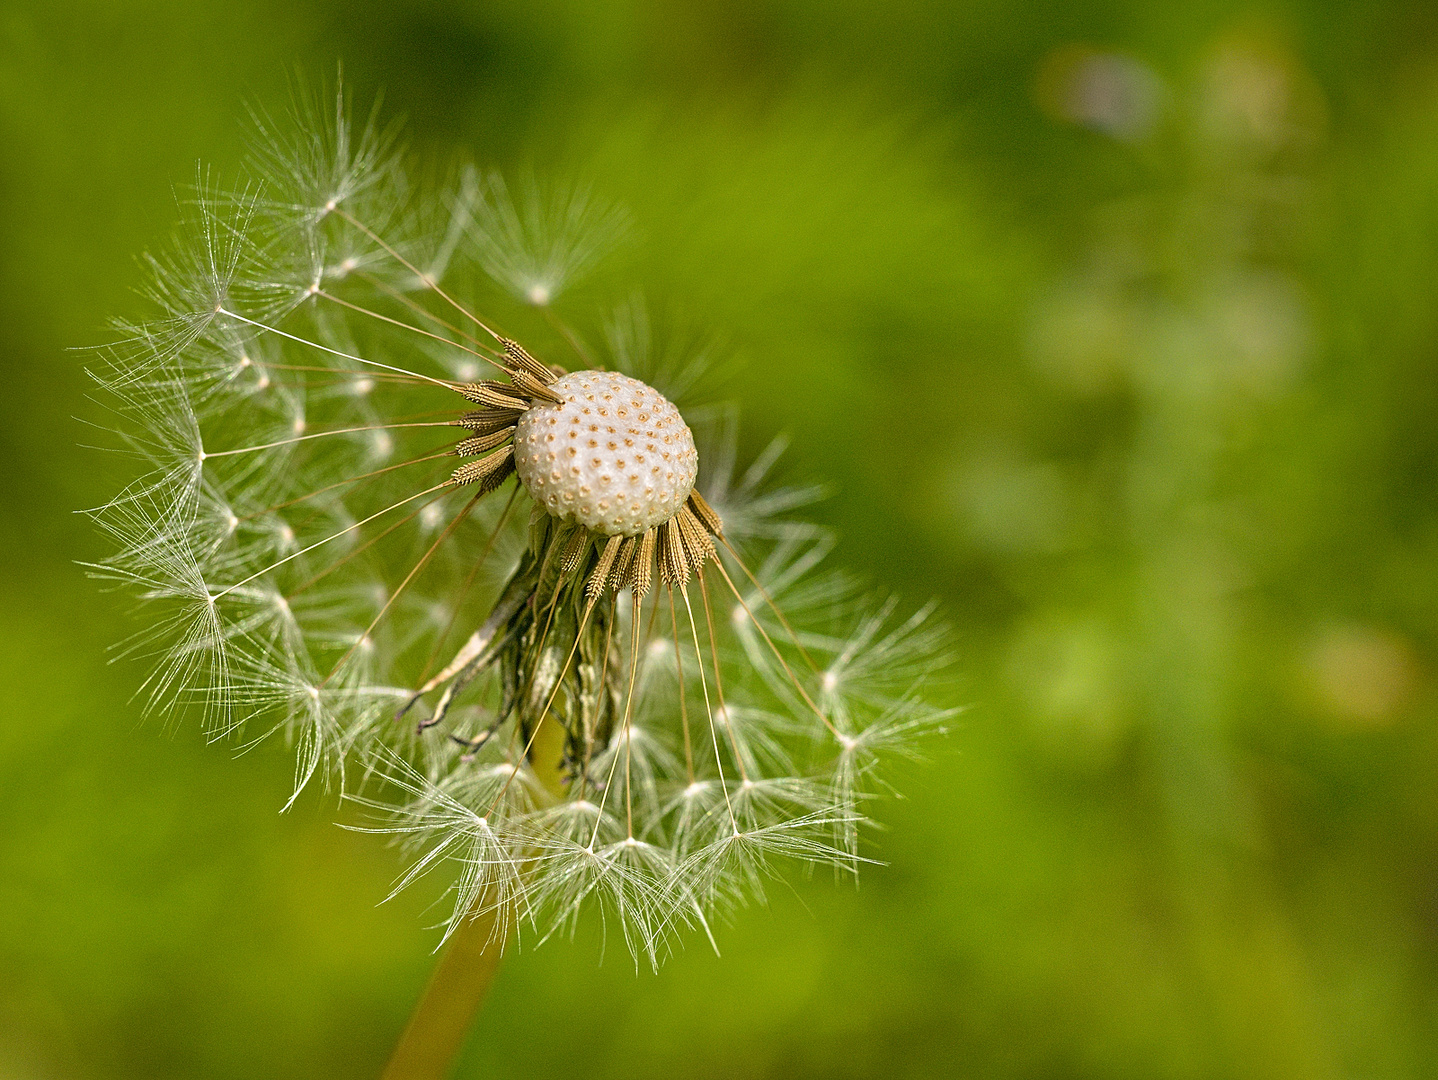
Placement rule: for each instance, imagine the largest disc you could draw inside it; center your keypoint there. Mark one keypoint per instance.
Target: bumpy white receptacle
(614, 455)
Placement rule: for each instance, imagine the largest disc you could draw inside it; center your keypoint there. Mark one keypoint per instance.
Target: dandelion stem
(445, 1013)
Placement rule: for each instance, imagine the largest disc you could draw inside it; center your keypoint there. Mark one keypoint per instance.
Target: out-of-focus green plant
(1156, 426)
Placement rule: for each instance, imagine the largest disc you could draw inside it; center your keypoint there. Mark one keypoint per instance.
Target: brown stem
(444, 1015)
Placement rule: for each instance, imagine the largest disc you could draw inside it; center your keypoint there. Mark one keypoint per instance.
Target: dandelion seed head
(421, 554)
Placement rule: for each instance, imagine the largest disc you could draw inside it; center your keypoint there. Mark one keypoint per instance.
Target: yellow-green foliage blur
(1112, 324)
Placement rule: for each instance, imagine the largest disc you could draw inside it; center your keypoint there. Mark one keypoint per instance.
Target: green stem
(438, 1026)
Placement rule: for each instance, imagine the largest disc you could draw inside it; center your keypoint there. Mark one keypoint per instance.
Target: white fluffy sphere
(614, 455)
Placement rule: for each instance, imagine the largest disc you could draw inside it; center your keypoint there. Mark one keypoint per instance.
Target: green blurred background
(1114, 324)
